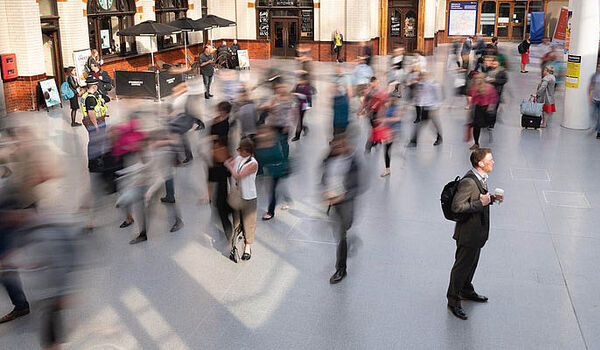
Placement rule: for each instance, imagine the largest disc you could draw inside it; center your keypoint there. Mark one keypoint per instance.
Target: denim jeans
(596, 107)
(12, 283)
(170, 189)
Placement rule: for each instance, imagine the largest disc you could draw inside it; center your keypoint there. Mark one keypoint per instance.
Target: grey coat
(474, 229)
(545, 91)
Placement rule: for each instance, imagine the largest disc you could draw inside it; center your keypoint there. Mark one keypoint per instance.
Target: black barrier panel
(168, 81)
(136, 84)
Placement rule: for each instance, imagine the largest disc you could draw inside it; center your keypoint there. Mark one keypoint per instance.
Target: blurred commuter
(391, 122)
(465, 52)
(498, 77)
(373, 102)
(243, 169)
(217, 172)
(594, 92)
(273, 164)
(396, 72)
(341, 91)
(483, 100)
(427, 98)
(366, 52)
(361, 76)
(283, 114)
(303, 92)
(341, 186)
(246, 114)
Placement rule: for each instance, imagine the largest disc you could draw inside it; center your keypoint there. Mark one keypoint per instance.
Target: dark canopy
(187, 24)
(212, 21)
(149, 28)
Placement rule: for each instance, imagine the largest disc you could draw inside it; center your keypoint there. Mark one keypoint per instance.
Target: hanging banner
(573, 71)
(243, 59)
(537, 27)
(560, 31)
(462, 20)
(80, 60)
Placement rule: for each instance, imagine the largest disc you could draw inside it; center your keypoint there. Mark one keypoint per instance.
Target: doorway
(284, 37)
(402, 24)
(52, 51)
(511, 20)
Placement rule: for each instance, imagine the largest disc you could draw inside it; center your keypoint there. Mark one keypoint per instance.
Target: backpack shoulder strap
(477, 182)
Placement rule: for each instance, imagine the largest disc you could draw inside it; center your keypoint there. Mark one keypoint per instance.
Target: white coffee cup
(499, 193)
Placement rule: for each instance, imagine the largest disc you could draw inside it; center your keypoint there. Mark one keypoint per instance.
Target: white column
(585, 31)
(430, 16)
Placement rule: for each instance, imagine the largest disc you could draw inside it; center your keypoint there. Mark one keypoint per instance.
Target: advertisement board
(243, 58)
(80, 58)
(462, 18)
(573, 71)
(560, 31)
(50, 92)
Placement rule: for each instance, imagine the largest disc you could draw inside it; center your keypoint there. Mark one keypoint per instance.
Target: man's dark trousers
(207, 79)
(344, 212)
(461, 277)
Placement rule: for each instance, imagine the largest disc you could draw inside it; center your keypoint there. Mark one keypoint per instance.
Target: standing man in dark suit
(472, 201)
(207, 70)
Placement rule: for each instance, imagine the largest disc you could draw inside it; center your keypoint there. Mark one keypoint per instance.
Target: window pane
(488, 18)
(519, 14)
(306, 24)
(410, 25)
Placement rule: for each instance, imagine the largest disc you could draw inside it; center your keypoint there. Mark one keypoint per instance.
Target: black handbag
(107, 86)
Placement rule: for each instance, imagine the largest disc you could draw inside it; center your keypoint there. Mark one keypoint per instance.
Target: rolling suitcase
(529, 121)
(531, 114)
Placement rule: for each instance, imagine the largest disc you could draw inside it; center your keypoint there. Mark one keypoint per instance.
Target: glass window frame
(163, 10)
(299, 6)
(124, 11)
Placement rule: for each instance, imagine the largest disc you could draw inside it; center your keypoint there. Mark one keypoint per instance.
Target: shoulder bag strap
(479, 186)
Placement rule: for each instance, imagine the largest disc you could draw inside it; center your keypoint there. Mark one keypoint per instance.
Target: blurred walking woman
(243, 168)
(483, 100)
(545, 94)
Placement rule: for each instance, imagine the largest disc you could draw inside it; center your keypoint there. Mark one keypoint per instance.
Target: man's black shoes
(16, 313)
(141, 238)
(458, 312)
(475, 297)
(338, 276)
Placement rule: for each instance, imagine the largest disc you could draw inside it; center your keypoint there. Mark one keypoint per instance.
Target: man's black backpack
(448, 196)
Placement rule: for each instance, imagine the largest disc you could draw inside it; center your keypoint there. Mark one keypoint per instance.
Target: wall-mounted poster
(462, 20)
(105, 35)
(395, 26)
(80, 60)
(263, 23)
(50, 92)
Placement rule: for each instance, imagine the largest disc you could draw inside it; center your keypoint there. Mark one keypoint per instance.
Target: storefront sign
(263, 23)
(50, 92)
(243, 59)
(462, 18)
(307, 23)
(573, 70)
(560, 31)
(135, 84)
(80, 60)
(395, 26)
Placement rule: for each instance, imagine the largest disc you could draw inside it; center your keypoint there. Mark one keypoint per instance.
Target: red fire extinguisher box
(9, 66)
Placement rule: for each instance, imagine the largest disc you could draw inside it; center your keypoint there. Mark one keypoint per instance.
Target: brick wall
(21, 94)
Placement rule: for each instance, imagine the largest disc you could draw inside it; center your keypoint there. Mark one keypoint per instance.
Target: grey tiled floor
(539, 268)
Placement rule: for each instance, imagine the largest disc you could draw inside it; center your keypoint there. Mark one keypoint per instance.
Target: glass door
(284, 39)
(503, 25)
(518, 20)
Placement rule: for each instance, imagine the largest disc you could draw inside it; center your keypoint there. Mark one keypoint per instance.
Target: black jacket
(352, 183)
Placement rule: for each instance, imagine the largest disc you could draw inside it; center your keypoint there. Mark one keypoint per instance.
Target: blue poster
(537, 27)
(462, 18)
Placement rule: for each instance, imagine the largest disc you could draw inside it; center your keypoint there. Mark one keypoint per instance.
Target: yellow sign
(573, 69)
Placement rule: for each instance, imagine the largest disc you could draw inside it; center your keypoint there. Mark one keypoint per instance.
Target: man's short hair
(478, 155)
(224, 106)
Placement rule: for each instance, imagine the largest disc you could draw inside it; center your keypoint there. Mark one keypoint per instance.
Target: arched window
(410, 25)
(168, 11)
(488, 18)
(105, 19)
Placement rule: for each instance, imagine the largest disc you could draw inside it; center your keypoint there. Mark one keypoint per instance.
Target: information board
(263, 23)
(80, 60)
(462, 20)
(395, 26)
(243, 59)
(307, 23)
(573, 71)
(50, 92)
